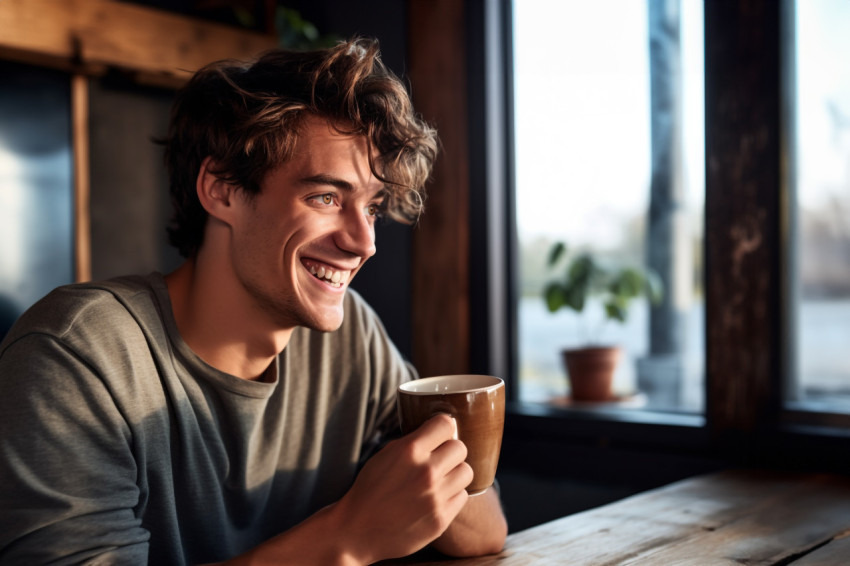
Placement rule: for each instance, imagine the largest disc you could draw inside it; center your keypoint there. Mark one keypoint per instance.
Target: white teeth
(335, 278)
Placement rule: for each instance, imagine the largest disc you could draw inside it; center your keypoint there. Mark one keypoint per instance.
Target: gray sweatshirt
(119, 445)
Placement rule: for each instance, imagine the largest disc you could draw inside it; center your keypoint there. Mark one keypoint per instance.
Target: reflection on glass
(609, 159)
(36, 195)
(823, 203)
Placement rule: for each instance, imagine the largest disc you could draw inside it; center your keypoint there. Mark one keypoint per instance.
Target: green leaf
(576, 296)
(616, 311)
(628, 283)
(294, 32)
(555, 253)
(309, 30)
(581, 271)
(554, 296)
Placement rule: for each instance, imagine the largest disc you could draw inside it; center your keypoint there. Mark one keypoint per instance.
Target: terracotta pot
(591, 372)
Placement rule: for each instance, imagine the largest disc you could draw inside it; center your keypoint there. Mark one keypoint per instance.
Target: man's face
(300, 241)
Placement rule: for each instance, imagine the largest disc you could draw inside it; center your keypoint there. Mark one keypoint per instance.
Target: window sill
(820, 415)
(637, 427)
(608, 413)
(624, 447)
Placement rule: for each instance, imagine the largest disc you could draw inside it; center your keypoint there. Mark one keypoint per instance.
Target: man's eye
(327, 198)
(375, 210)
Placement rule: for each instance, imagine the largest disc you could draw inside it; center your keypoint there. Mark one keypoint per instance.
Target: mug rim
(493, 384)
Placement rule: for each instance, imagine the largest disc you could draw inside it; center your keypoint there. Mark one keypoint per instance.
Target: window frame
(747, 250)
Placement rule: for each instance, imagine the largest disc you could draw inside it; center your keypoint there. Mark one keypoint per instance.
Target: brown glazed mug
(476, 402)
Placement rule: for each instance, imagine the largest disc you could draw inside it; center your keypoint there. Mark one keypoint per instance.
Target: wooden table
(724, 519)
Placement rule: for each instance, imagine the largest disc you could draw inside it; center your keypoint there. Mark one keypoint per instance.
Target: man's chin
(318, 311)
(326, 321)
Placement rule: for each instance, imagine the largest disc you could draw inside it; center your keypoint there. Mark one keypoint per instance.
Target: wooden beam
(742, 202)
(82, 182)
(440, 280)
(93, 35)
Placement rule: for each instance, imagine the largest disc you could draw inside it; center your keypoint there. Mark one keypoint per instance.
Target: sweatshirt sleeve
(67, 472)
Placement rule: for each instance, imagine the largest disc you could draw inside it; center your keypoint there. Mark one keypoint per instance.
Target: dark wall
(385, 280)
(129, 188)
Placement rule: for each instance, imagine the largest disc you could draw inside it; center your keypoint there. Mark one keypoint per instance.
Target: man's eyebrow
(340, 184)
(328, 180)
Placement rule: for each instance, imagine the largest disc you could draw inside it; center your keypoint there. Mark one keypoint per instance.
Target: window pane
(823, 203)
(609, 160)
(36, 194)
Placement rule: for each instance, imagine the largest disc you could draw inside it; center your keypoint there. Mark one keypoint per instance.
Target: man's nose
(358, 234)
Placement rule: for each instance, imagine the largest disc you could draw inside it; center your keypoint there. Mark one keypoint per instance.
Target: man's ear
(216, 195)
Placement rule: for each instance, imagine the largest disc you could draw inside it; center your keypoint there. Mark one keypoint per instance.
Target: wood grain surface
(729, 518)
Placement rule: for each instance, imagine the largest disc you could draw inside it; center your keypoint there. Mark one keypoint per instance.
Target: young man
(231, 411)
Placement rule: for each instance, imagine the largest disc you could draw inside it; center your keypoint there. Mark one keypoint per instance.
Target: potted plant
(590, 368)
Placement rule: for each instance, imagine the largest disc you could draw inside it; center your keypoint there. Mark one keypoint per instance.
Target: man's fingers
(459, 477)
(435, 431)
(449, 455)
(459, 499)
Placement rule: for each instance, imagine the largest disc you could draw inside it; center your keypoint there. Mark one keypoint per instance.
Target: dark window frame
(748, 261)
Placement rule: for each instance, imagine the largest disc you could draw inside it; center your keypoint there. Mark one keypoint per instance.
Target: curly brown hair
(246, 117)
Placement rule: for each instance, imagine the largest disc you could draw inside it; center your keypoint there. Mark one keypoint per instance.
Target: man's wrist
(347, 547)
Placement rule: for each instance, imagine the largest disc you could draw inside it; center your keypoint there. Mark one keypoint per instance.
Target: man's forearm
(307, 543)
(479, 529)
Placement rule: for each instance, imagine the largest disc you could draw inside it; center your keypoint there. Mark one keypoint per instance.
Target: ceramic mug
(476, 402)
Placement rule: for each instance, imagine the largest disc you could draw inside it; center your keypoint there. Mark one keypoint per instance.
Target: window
(36, 194)
(608, 121)
(762, 154)
(820, 268)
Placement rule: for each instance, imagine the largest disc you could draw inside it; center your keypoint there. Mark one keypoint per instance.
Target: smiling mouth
(334, 277)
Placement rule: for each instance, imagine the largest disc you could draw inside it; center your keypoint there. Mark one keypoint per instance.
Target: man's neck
(215, 319)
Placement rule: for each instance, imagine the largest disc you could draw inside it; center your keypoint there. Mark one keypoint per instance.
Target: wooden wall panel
(743, 187)
(440, 281)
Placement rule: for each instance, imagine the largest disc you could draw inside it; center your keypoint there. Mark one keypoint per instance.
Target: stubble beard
(287, 311)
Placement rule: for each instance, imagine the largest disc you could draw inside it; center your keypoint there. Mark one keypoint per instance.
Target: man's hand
(408, 494)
